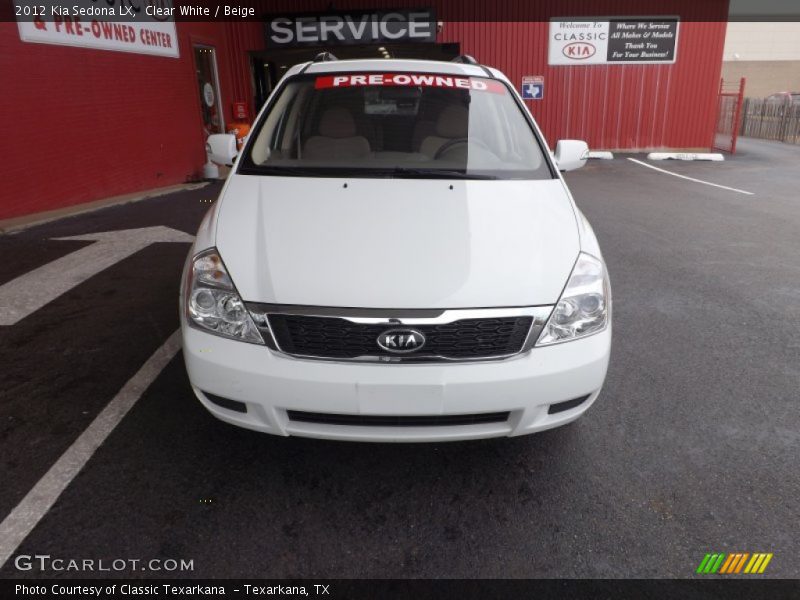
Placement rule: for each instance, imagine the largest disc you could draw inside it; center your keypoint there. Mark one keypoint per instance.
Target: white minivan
(395, 257)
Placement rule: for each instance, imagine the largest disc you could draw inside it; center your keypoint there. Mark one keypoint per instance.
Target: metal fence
(770, 120)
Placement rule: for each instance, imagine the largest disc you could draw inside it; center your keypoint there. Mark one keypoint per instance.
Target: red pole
(737, 118)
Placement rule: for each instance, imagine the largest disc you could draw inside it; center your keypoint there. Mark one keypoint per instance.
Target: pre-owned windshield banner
(410, 79)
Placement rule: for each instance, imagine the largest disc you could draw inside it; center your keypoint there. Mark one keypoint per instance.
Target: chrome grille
(330, 337)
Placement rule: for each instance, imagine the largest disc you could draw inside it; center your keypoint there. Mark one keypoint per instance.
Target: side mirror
(221, 148)
(571, 154)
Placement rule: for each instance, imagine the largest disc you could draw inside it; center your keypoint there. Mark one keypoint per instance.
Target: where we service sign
(593, 41)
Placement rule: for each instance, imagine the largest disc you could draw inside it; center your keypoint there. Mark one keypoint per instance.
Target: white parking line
(27, 514)
(724, 187)
(29, 292)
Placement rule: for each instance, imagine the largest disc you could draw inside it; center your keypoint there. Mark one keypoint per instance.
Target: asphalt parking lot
(691, 448)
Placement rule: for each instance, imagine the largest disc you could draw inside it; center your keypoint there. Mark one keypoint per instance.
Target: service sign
(110, 25)
(637, 40)
(357, 27)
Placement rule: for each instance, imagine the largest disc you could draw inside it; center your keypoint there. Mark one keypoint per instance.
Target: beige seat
(337, 138)
(422, 129)
(452, 124)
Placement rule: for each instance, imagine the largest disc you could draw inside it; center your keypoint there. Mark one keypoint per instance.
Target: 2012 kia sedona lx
(396, 257)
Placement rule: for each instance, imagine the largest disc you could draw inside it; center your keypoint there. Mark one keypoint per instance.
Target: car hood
(397, 243)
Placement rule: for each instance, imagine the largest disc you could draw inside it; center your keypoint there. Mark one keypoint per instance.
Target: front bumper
(270, 384)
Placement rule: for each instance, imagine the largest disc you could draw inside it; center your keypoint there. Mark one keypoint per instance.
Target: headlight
(584, 306)
(212, 302)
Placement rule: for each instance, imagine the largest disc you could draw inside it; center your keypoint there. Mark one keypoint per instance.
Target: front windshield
(396, 124)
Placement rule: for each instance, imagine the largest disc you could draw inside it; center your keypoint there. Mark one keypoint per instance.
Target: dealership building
(98, 107)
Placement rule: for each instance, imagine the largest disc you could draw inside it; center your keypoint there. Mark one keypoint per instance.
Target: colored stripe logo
(734, 563)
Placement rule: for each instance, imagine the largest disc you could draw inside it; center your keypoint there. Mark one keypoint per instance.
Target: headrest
(453, 122)
(337, 123)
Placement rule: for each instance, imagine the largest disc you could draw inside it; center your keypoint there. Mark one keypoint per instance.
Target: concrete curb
(26, 221)
(714, 156)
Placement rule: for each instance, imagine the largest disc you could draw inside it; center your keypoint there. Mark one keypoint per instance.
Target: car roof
(405, 65)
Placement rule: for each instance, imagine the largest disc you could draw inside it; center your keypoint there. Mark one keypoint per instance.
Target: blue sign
(533, 87)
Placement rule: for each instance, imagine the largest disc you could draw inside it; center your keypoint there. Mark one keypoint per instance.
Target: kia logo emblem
(579, 50)
(401, 341)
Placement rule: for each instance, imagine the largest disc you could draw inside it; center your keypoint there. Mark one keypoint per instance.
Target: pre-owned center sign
(592, 41)
(357, 27)
(125, 27)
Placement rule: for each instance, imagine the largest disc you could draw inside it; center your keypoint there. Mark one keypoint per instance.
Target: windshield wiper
(399, 172)
(289, 171)
(412, 173)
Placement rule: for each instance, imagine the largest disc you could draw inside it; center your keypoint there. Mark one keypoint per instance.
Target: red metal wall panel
(631, 107)
(84, 124)
(628, 107)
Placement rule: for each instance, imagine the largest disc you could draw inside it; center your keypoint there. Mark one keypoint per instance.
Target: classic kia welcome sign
(639, 40)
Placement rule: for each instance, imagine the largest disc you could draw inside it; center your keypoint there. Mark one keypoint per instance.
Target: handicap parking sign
(533, 87)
